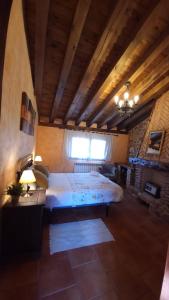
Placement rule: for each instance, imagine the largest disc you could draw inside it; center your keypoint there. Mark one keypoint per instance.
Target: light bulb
(116, 99)
(131, 103)
(126, 95)
(121, 103)
(136, 98)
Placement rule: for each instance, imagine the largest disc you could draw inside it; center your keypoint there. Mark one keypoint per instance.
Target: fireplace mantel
(159, 166)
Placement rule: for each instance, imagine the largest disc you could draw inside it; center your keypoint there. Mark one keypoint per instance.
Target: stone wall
(136, 137)
(138, 143)
(158, 206)
(159, 121)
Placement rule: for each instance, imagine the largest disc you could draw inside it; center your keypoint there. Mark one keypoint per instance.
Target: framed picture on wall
(155, 142)
(28, 115)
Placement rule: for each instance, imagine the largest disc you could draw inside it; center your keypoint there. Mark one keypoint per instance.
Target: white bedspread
(77, 189)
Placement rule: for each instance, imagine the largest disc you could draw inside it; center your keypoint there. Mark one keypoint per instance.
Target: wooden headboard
(24, 163)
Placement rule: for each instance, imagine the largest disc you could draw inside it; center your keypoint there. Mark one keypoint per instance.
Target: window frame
(69, 134)
(89, 149)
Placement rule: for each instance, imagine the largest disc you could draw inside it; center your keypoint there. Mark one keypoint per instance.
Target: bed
(81, 189)
(67, 190)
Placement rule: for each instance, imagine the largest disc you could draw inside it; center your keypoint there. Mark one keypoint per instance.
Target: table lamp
(27, 177)
(38, 158)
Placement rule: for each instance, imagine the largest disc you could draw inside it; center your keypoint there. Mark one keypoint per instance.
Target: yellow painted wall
(50, 145)
(120, 148)
(14, 144)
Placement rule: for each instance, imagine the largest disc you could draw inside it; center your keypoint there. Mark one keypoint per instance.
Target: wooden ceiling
(83, 51)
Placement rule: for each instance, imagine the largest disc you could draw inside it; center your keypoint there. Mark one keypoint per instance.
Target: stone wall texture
(136, 137)
(138, 143)
(159, 120)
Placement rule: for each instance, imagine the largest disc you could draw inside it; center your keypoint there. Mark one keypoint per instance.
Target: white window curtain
(87, 145)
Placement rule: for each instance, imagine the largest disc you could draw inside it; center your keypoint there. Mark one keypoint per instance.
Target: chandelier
(126, 104)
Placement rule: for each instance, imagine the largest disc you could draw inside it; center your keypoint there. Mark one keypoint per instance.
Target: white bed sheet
(78, 189)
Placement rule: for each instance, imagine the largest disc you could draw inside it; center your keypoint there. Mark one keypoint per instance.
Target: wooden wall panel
(16, 79)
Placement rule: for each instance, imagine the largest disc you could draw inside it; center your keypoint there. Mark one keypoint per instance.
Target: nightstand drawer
(21, 229)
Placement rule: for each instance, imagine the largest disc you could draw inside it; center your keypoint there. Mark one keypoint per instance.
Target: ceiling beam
(148, 57)
(113, 114)
(150, 79)
(140, 119)
(158, 87)
(75, 34)
(5, 8)
(122, 53)
(80, 128)
(133, 119)
(116, 119)
(101, 51)
(41, 23)
(108, 118)
(150, 76)
(156, 92)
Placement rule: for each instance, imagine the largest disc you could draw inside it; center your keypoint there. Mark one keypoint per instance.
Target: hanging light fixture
(126, 104)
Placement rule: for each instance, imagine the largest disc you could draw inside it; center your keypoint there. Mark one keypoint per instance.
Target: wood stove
(152, 189)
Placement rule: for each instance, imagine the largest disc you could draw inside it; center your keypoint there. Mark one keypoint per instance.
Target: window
(80, 148)
(97, 149)
(92, 146)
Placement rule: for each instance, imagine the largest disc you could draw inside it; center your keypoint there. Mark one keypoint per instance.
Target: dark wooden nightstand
(22, 226)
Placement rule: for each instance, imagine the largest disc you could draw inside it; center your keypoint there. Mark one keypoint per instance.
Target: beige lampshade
(27, 177)
(38, 158)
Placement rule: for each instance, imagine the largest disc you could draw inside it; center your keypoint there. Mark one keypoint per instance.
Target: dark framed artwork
(155, 142)
(28, 115)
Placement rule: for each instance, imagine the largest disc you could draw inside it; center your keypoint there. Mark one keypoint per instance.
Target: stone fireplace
(157, 173)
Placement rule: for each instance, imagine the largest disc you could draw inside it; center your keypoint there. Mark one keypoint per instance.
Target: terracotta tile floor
(131, 268)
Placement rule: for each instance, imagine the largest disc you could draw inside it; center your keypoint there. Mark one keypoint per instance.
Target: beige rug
(78, 234)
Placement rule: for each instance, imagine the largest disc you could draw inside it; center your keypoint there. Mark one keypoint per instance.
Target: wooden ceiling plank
(155, 93)
(113, 114)
(149, 80)
(147, 108)
(101, 51)
(114, 120)
(75, 34)
(42, 13)
(149, 56)
(108, 118)
(80, 128)
(146, 78)
(140, 119)
(136, 33)
(130, 44)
